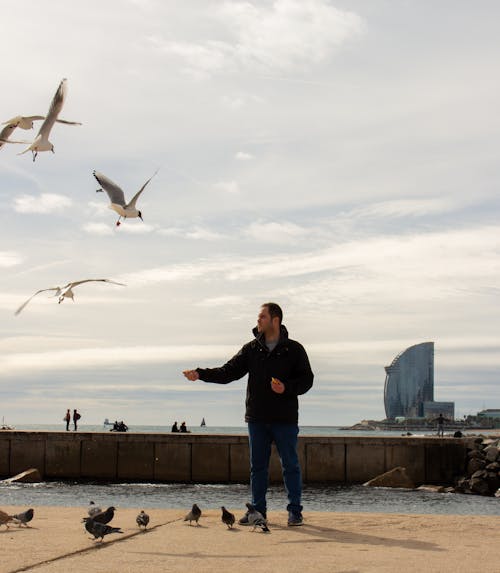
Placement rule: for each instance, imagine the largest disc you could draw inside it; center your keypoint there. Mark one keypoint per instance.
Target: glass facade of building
(409, 382)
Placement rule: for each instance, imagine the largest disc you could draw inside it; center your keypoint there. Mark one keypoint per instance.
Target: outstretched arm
(233, 369)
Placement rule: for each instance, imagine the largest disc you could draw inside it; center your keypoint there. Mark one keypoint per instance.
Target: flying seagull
(66, 291)
(21, 121)
(117, 197)
(41, 141)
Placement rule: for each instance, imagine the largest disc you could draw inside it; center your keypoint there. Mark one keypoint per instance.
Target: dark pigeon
(193, 515)
(227, 517)
(142, 519)
(256, 518)
(99, 530)
(105, 516)
(25, 517)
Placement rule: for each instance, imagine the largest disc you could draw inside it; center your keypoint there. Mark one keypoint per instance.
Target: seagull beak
(140, 217)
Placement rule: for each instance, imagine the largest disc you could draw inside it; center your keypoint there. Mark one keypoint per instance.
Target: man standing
(279, 371)
(76, 417)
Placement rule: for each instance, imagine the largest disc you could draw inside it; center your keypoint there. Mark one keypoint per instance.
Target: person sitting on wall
(175, 428)
(183, 429)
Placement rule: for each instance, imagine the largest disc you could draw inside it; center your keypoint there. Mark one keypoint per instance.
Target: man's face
(264, 321)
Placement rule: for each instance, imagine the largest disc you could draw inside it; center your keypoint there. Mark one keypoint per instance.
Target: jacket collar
(259, 337)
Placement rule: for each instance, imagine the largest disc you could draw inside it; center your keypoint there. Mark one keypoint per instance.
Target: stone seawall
(222, 458)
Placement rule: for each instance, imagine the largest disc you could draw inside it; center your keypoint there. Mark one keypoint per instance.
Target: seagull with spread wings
(41, 141)
(66, 291)
(117, 197)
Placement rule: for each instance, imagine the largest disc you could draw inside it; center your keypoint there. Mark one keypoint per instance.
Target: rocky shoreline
(481, 472)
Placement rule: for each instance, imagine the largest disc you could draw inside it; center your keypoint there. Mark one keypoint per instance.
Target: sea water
(316, 497)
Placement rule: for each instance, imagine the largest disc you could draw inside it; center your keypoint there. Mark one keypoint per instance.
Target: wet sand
(327, 542)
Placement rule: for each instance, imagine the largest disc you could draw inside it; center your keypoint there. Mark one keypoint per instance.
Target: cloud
(243, 156)
(43, 203)
(86, 358)
(194, 233)
(230, 187)
(418, 207)
(285, 35)
(98, 229)
(275, 232)
(10, 259)
(230, 300)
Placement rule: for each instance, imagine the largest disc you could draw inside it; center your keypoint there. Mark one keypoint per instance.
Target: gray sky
(340, 158)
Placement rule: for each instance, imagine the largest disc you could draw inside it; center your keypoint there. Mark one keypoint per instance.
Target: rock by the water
(397, 477)
(29, 476)
(492, 453)
(431, 488)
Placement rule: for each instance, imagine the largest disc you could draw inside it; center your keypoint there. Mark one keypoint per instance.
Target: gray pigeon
(104, 516)
(99, 529)
(227, 517)
(25, 517)
(193, 515)
(142, 519)
(93, 509)
(256, 518)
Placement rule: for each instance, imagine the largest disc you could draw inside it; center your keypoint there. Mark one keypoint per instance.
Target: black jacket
(288, 362)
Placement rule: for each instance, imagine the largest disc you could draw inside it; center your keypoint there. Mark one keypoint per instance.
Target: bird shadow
(330, 535)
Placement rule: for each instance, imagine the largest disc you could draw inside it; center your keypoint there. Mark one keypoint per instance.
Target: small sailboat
(203, 422)
(5, 426)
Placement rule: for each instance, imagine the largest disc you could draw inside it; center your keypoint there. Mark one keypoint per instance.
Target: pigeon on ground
(193, 515)
(142, 519)
(117, 197)
(99, 529)
(93, 509)
(66, 291)
(5, 518)
(256, 518)
(41, 141)
(228, 517)
(105, 516)
(25, 517)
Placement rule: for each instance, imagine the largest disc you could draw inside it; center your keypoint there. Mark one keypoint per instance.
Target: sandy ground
(327, 542)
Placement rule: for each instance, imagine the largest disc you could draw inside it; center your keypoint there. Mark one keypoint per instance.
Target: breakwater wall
(222, 458)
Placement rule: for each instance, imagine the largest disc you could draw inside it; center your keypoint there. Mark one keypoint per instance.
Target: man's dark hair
(274, 310)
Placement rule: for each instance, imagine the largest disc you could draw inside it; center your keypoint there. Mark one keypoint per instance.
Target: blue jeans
(261, 436)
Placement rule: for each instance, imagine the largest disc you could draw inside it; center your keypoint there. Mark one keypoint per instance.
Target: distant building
(409, 382)
(490, 413)
(409, 385)
(433, 409)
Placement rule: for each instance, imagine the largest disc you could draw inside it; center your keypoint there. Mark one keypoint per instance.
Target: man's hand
(191, 375)
(277, 386)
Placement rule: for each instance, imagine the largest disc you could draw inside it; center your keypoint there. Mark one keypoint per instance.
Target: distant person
(278, 372)
(183, 429)
(175, 428)
(67, 419)
(76, 417)
(440, 425)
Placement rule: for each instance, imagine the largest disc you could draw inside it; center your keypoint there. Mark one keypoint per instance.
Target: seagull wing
(20, 118)
(68, 122)
(55, 108)
(37, 292)
(114, 192)
(136, 196)
(76, 283)
(5, 133)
